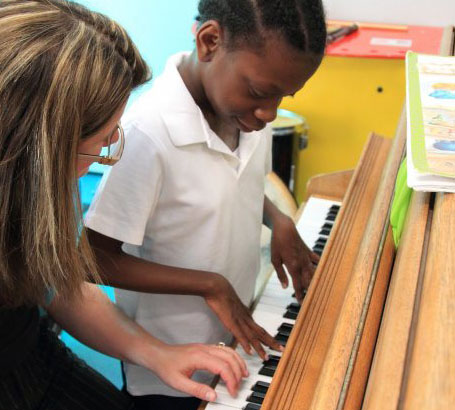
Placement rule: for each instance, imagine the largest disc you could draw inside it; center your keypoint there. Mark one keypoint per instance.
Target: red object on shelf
(387, 43)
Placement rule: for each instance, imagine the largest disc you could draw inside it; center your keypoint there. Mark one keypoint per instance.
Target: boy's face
(244, 88)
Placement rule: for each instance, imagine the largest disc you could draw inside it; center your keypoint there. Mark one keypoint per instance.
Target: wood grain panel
(431, 383)
(297, 375)
(388, 366)
(336, 373)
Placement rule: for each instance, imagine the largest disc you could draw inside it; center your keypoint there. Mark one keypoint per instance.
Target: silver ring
(221, 344)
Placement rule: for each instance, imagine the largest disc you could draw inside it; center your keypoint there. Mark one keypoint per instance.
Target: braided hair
(115, 35)
(300, 22)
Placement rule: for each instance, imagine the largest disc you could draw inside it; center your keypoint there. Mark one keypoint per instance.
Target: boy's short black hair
(301, 22)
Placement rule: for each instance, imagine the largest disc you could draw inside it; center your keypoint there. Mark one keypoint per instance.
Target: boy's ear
(209, 38)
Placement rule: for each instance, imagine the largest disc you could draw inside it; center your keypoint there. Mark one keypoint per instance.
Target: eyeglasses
(114, 150)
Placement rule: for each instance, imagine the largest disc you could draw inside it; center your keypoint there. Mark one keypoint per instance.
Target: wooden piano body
(377, 327)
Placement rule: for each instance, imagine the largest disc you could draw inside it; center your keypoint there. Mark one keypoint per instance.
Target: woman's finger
(227, 354)
(199, 390)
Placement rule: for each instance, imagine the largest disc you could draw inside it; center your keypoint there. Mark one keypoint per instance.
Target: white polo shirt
(180, 197)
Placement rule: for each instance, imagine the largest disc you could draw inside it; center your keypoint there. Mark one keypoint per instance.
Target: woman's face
(94, 144)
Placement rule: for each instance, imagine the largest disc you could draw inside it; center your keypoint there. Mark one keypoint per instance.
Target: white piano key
(277, 301)
(262, 307)
(245, 386)
(223, 396)
(275, 284)
(218, 406)
(310, 234)
(226, 399)
(274, 321)
(276, 292)
(313, 218)
(316, 209)
(253, 361)
(271, 322)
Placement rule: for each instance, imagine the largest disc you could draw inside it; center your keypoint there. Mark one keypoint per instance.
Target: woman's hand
(175, 364)
(117, 335)
(237, 318)
(288, 249)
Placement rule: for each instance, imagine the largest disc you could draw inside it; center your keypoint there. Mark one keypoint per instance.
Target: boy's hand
(236, 318)
(288, 249)
(175, 364)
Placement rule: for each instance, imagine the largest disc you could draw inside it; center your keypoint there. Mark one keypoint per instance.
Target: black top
(18, 335)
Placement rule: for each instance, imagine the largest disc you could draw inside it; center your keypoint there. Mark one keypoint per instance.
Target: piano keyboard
(277, 311)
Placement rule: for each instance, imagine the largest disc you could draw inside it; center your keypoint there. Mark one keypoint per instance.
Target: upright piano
(376, 328)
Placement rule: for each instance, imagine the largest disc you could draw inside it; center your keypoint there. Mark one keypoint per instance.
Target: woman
(65, 77)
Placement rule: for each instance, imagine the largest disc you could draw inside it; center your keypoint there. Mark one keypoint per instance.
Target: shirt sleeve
(129, 191)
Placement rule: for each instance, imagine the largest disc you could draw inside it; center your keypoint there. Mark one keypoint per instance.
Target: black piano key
(285, 328)
(281, 338)
(321, 241)
(325, 231)
(252, 406)
(256, 397)
(326, 228)
(267, 370)
(318, 249)
(335, 208)
(290, 315)
(303, 292)
(320, 244)
(330, 216)
(261, 387)
(292, 311)
(294, 307)
(273, 360)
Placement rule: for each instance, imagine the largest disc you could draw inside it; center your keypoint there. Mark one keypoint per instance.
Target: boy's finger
(268, 340)
(281, 275)
(243, 340)
(265, 337)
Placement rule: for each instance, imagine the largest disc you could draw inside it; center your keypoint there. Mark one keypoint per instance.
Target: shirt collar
(182, 116)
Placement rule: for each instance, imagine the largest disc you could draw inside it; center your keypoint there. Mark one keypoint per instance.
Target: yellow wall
(342, 105)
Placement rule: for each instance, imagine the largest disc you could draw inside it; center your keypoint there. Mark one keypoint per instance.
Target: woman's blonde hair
(64, 71)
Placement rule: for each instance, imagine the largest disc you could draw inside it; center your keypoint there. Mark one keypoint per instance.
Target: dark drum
(289, 131)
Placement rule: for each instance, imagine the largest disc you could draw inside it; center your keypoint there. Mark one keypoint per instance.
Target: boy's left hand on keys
(289, 250)
(236, 318)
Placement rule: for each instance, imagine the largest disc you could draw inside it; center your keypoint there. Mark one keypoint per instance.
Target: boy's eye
(256, 94)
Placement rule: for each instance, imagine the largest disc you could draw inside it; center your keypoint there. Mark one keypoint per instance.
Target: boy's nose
(266, 115)
(268, 111)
